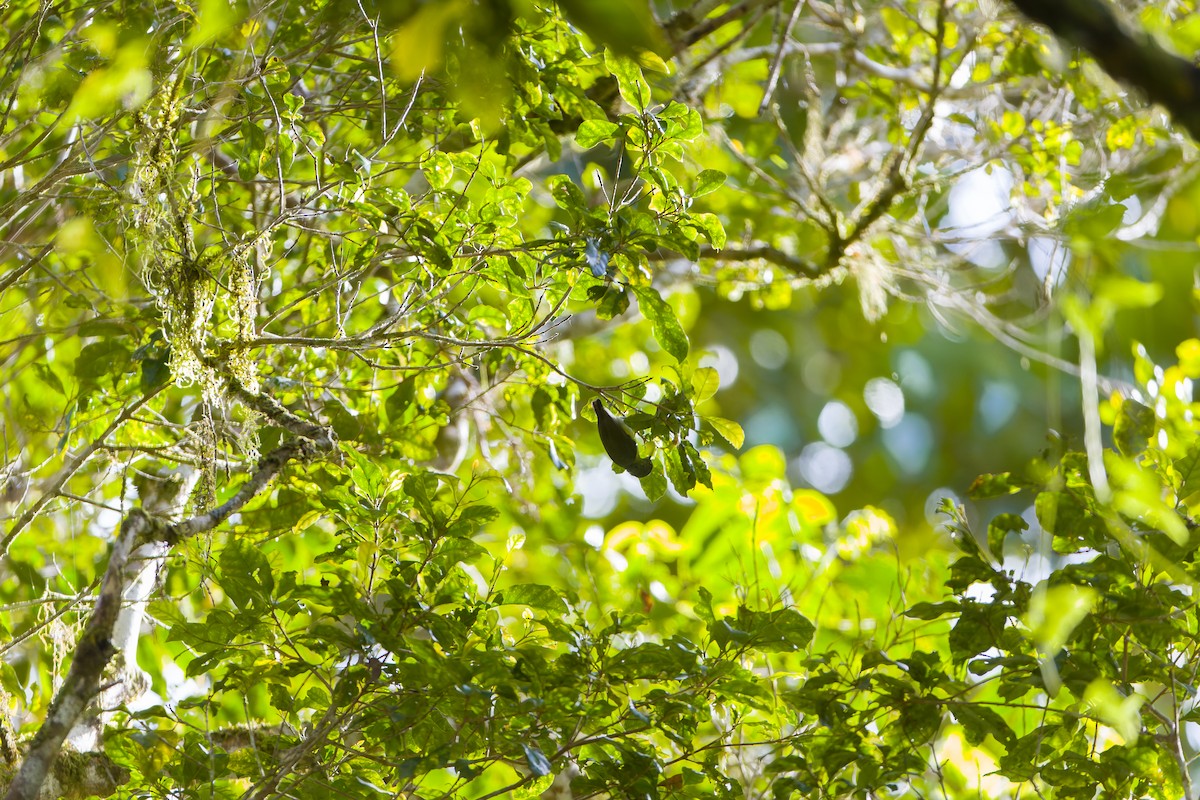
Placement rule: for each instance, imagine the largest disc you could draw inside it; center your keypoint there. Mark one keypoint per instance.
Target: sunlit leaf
(728, 430)
(667, 329)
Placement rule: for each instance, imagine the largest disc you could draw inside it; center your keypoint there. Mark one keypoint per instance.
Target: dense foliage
(306, 306)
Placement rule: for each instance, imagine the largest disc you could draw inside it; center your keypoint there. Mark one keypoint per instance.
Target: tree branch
(70, 468)
(268, 467)
(92, 655)
(1132, 57)
(801, 267)
(95, 648)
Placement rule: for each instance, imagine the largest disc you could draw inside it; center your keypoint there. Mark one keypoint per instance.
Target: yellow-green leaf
(705, 382)
(728, 430)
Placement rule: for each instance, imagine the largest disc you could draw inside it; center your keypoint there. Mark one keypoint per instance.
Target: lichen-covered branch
(270, 466)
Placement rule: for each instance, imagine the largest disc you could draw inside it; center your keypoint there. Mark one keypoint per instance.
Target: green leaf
(632, 85)
(985, 487)
(401, 400)
(365, 474)
(472, 519)
(699, 467)
(704, 607)
(976, 631)
(246, 575)
(534, 595)
(667, 329)
(96, 360)
(920, 722)
(611, 302)
(998, 530)
(101, 326)
(1069, 520)
(1133, 427)
(50, 377)
(710, 226)
(969, 569)
(979, 722)
(1095, 221)
(689, 124)
(654, 485)
(652, 661)
(1187, 467)
(566, 194)
(594, 131)
(254, 140)
(932, 610)
(455, 549)
(785, 630)
(155, 373)
(707, 181)
(680, 470)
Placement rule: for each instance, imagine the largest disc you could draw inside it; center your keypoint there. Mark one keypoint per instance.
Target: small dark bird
(619, 443)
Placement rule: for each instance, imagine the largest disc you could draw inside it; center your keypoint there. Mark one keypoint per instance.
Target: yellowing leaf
(813, 508)
(1013, 124)
(438, 169)
(306, 520)
(652, 61)
(710, 224)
